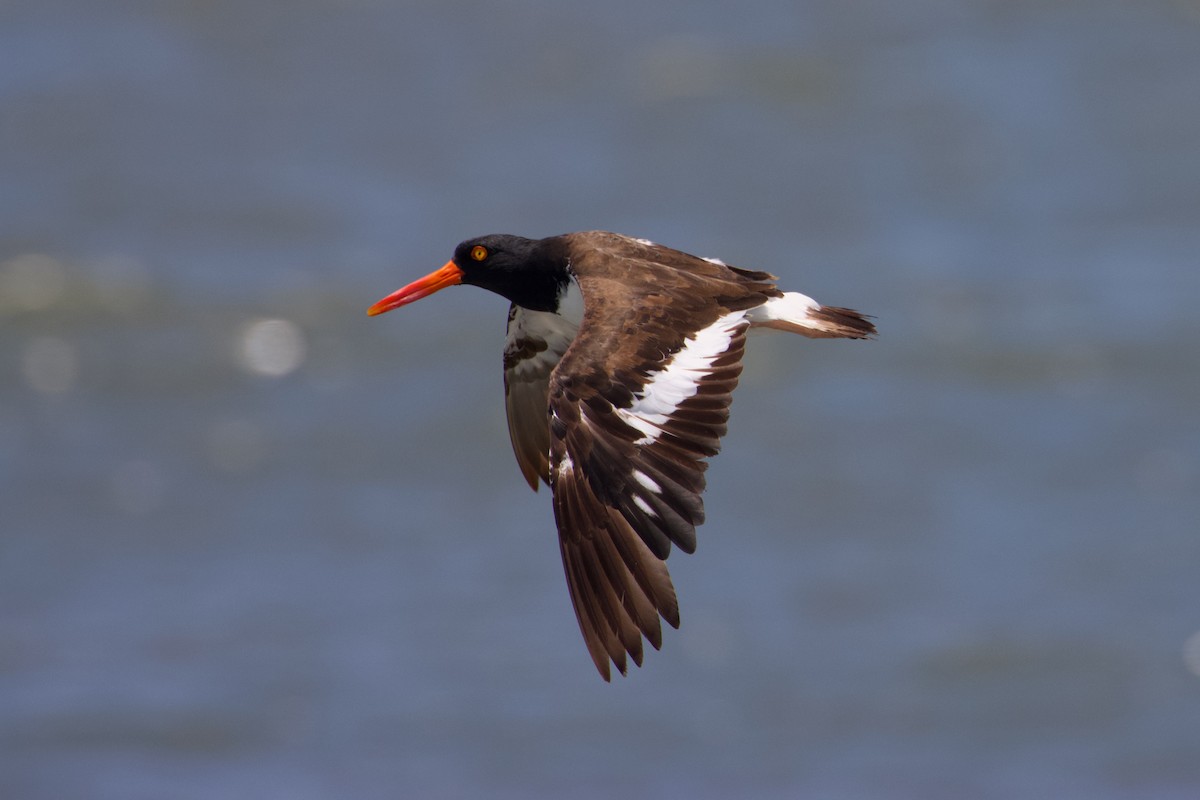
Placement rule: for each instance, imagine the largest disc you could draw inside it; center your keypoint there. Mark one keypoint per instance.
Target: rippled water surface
(255, 544)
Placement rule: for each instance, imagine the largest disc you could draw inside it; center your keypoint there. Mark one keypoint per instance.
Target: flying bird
(619, 365)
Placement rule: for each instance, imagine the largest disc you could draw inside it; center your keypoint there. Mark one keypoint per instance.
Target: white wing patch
(565, 466)
(644, 506)
(646, 481)
(679, 378)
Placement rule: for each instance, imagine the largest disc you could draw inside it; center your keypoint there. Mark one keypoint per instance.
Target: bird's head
(529, 272)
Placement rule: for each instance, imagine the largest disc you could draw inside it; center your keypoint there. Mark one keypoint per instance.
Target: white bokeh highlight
(271, 347)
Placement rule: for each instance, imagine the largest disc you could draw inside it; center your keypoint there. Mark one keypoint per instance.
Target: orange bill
(448, 275)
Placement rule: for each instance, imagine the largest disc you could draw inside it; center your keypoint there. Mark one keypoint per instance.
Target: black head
(529, 272)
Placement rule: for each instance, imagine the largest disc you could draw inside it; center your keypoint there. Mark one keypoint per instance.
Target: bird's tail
(799, 313)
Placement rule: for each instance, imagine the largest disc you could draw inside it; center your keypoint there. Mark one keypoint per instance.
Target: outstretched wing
(632, 420)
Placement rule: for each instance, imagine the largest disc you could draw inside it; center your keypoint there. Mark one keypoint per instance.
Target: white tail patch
(679, 377)
(792, 307)
(799, 313)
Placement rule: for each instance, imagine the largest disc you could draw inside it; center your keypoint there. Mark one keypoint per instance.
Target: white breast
(557, 330)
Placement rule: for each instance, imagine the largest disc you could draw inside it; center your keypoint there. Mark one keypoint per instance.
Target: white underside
(557, 330)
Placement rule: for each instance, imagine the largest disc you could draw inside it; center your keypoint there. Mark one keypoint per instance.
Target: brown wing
(618, 587)
(633, 418)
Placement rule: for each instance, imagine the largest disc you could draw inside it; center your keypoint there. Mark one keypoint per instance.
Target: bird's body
(619, 365)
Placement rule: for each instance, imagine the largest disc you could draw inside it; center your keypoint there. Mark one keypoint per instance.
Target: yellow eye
(479, 252)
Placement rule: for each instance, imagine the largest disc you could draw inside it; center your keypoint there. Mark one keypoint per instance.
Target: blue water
(297, 560)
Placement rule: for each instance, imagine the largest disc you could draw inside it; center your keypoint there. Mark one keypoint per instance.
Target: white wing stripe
(646, 481)
(679, 378)
(644, 506)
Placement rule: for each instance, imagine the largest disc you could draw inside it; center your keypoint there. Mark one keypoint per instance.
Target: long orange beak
(448, 275)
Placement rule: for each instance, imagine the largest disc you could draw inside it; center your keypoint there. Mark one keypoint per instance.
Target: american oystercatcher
(619, 364)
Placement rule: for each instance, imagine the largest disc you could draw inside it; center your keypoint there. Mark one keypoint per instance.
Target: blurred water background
(254, 544)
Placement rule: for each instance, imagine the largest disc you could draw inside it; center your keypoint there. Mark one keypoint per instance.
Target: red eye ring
(479, 252)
